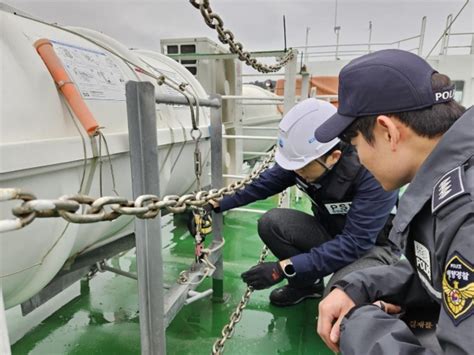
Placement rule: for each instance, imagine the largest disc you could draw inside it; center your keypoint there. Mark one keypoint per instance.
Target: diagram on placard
(96, 74)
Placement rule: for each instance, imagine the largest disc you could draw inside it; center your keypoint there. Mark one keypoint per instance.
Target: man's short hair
(429, 122)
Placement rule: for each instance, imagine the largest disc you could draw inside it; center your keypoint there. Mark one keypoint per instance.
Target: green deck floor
(104, 320)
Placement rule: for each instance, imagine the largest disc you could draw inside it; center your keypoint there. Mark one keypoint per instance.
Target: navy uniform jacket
(436, 220)
(347, 201)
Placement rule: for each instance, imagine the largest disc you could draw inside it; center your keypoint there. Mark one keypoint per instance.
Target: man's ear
(389, 130)
(334, 157)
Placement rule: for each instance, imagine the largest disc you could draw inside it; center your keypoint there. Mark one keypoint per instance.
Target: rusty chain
(215, 22)
(109, 208)
(236, 316)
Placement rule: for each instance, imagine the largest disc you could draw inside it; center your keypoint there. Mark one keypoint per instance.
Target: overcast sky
(258, 23)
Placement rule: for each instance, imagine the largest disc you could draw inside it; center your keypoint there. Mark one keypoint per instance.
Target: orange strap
(45, 49)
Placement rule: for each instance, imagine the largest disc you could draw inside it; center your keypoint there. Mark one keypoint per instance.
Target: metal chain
(215, 22)
(109, 208)
(236, 316)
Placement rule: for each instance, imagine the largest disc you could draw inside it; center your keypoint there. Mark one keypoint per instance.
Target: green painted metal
(104, 319)
(218, 291)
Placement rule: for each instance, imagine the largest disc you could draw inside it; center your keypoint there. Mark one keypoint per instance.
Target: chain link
(228, 329)
(215, 22)
(109, 208)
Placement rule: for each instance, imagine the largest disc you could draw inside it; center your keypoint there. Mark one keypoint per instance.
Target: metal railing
(339, 50)
(445, 45)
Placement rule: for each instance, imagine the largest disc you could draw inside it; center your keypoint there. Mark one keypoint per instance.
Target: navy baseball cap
(386, 81)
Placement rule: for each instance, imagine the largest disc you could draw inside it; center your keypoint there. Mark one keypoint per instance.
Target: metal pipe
(261, 103)
(257, 138)
(181, 100)
(250, 98)
(260, 128)
(304, 86)
(329, 55)
(195, 296)
(407, 39)
(256, 153)
(472, 44)
(337, 43)
(251, 210)
(422, 36)
(466, 46)
(370, 36)
(290, 84)
(265, 75)
(462, 34)
(306, 47)
(106, 267)
(217, 182)
(448, 34)
(141, 112)
(340, 51)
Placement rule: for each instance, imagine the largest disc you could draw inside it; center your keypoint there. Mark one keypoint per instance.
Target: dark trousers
(289, 232)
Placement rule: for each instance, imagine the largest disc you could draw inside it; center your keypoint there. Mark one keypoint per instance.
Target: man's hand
(332, 310)
(263, 275)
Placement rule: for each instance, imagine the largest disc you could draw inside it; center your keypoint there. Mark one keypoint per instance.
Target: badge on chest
(338, 207)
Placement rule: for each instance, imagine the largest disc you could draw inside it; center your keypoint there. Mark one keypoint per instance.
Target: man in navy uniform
(350, 223)
(400, 115)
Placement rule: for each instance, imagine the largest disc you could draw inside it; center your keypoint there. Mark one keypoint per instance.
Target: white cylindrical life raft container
(42, 142)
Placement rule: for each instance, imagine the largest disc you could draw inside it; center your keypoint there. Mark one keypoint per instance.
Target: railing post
(422, 36)
(290, 83)
(337, 29)
(445, 35)
(448, 35)
(472, 44)
(216, 181)
(141, 110)
(304, 85)
(370, 36)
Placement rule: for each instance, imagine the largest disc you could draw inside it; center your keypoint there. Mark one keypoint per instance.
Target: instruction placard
(96, 74)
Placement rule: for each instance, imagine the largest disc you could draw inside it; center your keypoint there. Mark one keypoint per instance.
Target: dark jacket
(347, 201)
(436, 221)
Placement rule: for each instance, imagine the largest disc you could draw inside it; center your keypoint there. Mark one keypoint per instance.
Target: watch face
(289, 270)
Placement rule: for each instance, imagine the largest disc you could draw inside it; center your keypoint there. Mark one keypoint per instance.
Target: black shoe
(318, 286)
(288, 296)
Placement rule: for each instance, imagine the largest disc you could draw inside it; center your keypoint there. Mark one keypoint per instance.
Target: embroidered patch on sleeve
(449, 187)
(458, 288)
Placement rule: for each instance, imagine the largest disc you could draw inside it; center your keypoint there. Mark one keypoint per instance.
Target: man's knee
(267, 224)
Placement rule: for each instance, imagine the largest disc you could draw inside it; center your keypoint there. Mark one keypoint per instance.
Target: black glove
(263, 275)
(208, 208)
(205, 221)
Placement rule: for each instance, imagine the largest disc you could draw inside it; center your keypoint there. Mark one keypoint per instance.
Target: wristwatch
(288, 268)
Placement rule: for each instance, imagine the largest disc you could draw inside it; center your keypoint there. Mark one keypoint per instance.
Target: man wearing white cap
(351, 212)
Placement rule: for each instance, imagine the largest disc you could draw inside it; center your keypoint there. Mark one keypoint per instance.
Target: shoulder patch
(447, 189)
(458, 288)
